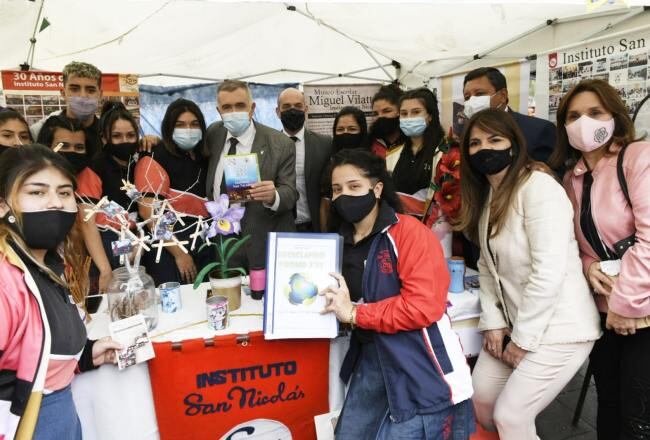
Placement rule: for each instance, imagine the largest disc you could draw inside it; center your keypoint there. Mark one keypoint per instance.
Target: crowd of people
(553, 218)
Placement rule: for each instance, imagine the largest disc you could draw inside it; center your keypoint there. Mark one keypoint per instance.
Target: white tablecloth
(115, 404)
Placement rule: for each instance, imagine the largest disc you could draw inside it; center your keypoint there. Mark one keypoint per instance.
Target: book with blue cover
(240, 172)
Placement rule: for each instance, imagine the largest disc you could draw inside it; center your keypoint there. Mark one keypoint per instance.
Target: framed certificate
(298, 267)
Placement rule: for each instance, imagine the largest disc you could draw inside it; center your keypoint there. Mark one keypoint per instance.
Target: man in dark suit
(313, 150)
(274, 197)
(486, 87)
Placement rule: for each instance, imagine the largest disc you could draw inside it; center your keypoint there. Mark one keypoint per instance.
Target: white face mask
(475, 104)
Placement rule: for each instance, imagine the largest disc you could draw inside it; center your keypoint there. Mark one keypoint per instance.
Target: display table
(115, 404)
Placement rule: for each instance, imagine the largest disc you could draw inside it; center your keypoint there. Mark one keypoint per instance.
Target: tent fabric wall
(155, 99)
(267, 42)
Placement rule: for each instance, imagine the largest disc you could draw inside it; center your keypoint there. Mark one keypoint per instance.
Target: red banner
(113, 84)
(232, 389)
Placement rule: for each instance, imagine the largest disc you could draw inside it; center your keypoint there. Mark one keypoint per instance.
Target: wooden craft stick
(197, 232)
(94, 210)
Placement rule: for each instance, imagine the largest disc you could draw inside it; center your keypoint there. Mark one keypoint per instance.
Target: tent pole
(346, 75)
(343, 75)
(32, 41)
(333, 29)
(367, 78)
(366, 69)
(633, 13)
(418, 64)
(478, 56)
(173, 75)
(306, 72)
(390, 77)
(549, 22)
(593, 40)
(309, 72)
(590, 15)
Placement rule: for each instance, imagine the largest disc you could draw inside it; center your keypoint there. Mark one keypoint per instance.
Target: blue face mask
(413, 126)
(187, 138)
(236, 122)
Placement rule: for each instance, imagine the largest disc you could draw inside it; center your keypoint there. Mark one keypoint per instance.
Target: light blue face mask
(413, 126)
(236, 122)
(187, 138)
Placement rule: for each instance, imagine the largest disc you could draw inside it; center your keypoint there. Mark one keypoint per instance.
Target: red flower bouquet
(445, 185)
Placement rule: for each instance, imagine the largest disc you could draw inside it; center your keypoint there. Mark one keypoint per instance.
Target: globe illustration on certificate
(301, 290)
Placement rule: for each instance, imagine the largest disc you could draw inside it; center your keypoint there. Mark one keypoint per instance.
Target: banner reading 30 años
(622, 61)
(325, 101)
(35, 94)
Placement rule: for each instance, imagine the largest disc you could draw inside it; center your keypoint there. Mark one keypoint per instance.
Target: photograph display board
(36, 94)
(622, 62)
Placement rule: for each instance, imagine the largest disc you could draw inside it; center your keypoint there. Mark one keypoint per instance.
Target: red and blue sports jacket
(404, 285)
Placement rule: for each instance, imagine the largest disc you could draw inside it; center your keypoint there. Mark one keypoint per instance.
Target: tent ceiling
(266, 42)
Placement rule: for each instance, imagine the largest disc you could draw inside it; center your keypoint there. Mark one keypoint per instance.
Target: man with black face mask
(386, 138)
(313, 150)
(68, 138)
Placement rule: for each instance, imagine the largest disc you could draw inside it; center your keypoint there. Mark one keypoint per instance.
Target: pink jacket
(24, 347)
(615, 220)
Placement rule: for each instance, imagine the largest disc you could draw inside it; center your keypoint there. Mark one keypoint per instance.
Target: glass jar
(131, 293)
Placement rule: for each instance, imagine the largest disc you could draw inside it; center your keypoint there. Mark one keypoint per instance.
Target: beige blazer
(534, 283)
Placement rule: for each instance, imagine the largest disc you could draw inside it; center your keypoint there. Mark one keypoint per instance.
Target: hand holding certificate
(299, 266)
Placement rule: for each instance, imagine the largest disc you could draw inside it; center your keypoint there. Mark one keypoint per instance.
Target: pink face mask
(588, 134)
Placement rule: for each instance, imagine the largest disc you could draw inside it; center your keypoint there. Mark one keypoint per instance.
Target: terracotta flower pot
(228, 287)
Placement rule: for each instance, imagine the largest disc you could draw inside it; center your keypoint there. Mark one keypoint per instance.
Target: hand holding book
(338, 300)
(263, 191)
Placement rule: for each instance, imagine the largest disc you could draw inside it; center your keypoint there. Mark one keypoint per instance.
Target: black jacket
(540, 135)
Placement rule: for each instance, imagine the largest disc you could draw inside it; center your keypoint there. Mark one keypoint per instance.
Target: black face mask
(45, 229)
(490, 162)
(292, 119)
(384, 127)
(347, 141)
(122, 151)
(79, 161)
(353, 209)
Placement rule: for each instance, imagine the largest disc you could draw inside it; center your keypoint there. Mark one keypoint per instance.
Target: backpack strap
(621, 175)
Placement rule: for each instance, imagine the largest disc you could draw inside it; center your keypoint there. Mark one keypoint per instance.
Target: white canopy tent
(172, 41)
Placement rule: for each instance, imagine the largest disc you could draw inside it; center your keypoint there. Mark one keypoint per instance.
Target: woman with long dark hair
(607, 182)
(42, 338)
(105, 177)
(350, 130)
(14, 130)
(408, 375)
(176, 171)
(538, 318)
(420, 123)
